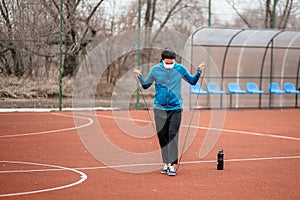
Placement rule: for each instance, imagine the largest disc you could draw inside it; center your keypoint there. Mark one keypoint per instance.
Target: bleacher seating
(289, 88)
(234, 88)
(275, 89)
(197, 89)
(252, 88)
(213, 88)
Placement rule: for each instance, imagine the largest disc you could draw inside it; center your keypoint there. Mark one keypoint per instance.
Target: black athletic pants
(167, 128)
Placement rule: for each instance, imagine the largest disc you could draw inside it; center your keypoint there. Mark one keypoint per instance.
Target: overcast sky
(219, 8)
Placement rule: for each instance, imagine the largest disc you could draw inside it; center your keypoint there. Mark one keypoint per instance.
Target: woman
(167, 76)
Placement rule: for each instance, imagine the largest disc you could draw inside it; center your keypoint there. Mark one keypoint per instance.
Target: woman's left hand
(201, 67)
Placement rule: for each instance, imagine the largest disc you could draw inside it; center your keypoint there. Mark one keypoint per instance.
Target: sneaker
(171, 171)
(164, 169)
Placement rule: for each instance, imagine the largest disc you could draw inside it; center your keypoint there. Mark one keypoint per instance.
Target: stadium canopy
(260, 56)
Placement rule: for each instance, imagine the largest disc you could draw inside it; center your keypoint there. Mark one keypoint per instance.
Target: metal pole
(274, 14)
(297, 82)
(209, 12)
(60, 55)
(139, 55)
(271, 73)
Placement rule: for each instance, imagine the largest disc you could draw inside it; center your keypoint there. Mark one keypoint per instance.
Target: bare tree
(189, 16)
(249, 16)
(156, 15)
(5, 68)
(284, 17)
(78, 31)
(30, 30)
(10, 37)
(25, 29)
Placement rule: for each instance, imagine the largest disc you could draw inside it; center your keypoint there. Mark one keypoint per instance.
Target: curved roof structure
(261, 56)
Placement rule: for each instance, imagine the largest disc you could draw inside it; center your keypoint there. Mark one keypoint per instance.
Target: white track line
(4, 111)
(248, 133)
(53, 131)
(246, 159)
(207, 128)
(154, 164)
(83, 177)
(148, 121)
(193, 162)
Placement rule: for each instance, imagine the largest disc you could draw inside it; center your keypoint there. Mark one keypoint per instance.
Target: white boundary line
(9, 110)
(83, 177)
(53, 131)
(154, 164)
(148, 121)
(208, 128)
(245, 159)
(194, 162)
(249, 133)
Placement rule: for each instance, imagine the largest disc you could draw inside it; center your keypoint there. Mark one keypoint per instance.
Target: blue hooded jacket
(168, 85)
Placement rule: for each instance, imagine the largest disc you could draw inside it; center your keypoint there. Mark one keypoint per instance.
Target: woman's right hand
(137, 73)
(201, 67)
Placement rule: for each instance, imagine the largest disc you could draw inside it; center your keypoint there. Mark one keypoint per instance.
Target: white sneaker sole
(172, 173)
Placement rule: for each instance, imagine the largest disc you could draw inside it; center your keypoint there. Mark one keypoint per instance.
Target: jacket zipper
(168, 95)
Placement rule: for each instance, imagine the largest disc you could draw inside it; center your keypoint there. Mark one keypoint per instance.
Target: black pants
(167, 128)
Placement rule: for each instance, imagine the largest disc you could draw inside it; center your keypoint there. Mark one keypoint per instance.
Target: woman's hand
(201, 67)
(137, 73)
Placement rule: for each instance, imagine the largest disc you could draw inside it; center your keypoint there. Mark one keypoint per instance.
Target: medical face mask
(168, 66)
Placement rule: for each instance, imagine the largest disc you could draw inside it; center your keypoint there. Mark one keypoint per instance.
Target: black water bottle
(220, 161)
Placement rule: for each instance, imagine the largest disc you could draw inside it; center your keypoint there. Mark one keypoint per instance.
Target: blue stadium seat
(253, 89)
(213, 88)
(197, 89)
(290, 88)
(234, 88)
(275, 89)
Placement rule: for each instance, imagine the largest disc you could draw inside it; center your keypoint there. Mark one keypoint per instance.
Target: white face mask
(168, 66)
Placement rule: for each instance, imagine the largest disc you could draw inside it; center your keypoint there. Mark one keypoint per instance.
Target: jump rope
(191, 119)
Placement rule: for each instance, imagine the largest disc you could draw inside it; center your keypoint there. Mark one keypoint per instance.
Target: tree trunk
(6, 65)
(18, 64)
(268, 14)
(286, 14)
(70, 64)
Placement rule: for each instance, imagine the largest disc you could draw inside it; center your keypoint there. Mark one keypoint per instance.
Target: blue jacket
(168, 85)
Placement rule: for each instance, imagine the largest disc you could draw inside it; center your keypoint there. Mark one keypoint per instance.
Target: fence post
(60, 55)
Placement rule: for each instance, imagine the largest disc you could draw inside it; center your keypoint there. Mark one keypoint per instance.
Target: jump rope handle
(202, 65)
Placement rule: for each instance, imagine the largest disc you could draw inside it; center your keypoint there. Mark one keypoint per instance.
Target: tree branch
(239, 14)
(286, 14)
(153, 13)
(162, 25)
(4, 13)
(94, 10)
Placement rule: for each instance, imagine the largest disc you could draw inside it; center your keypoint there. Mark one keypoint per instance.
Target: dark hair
(168, 53)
